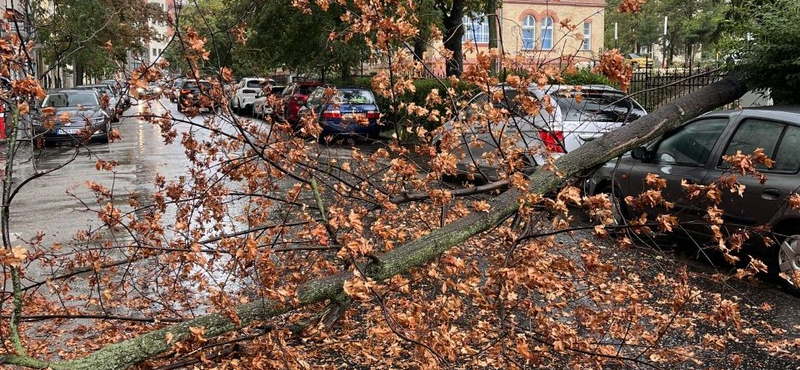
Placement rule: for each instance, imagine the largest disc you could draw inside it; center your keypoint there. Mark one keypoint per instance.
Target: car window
(287, 91)
(787, 158)
(254, 84)
(691, 144)
(305, 89)
(62, 100)
(315, 97)
(753, 134)
(355, 97)
(599, 107)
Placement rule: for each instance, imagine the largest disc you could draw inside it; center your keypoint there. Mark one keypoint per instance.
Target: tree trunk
(427, 248)
(491, 13)
(454, 32)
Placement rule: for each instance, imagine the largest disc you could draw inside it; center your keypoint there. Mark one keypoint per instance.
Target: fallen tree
(420, 251)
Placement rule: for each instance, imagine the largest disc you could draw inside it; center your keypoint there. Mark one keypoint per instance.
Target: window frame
(786, 125)
(529, 27)
(587, 38)
(654, 148)
(469, 23)
(547, 25)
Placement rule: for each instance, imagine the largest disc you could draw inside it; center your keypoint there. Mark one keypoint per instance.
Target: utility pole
(664, 45)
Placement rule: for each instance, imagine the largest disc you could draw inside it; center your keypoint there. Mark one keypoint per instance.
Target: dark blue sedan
(348, 111)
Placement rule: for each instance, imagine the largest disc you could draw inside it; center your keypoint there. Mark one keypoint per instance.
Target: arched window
(528, 33)
(476, 29)
(547, 33)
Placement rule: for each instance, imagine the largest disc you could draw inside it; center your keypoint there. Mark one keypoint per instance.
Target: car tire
(779, 262)
(104, 138)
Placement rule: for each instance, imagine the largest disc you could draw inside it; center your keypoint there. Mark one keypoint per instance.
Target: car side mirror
(640, 153)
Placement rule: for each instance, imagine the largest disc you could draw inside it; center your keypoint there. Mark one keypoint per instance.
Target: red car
(294, 97)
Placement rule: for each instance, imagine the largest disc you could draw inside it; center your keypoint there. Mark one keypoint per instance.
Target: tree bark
(491, 13)
(426, 248)
(453, 34)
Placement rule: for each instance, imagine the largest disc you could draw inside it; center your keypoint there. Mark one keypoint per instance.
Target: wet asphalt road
(49, 205)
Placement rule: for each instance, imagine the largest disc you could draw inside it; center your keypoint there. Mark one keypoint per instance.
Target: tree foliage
(274, 251)
(95, 36)
(760, 43)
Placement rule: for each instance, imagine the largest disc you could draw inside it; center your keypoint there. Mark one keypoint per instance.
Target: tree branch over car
(309, 238)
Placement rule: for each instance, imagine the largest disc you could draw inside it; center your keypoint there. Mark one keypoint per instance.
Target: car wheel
(104, 137)
(619, 210)
(786, 260)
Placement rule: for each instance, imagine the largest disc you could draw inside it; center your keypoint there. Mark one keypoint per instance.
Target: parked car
(349, 111)
(84, 112)
(693, 154)
(114, 107)
(261, 106)
(576, 118)
(121, 90)
(294, 97)
(246, 92)
(173, 90)
(191, 93)
(639, 61)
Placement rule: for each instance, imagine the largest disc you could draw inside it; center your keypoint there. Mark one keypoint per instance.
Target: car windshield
(356, 97)
(253, 84)
(71, 99)
(599, 107)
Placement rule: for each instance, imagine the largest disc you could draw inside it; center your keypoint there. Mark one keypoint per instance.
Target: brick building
(532, 28)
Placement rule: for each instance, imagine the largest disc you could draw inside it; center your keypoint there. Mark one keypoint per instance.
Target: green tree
(94, 35)
(761, 43)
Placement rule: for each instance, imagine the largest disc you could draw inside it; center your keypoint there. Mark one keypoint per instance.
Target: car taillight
(332, 114)
(185, 92)
(552, 140)
(373, 115)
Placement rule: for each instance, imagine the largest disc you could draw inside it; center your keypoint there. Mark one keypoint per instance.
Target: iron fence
(654, 88)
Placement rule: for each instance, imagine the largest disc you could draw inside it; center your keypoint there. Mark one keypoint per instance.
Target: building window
(154, 52)
(587, 36)
(547, 33)
(528, 33)
(476, 29)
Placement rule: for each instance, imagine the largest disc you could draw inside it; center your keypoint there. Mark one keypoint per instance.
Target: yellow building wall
(512, 14)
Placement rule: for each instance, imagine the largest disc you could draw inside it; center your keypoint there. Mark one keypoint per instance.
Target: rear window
(599, 107)
(357, 97)
(195, 85)
(277, 89)
(305, 89)
(253, 84)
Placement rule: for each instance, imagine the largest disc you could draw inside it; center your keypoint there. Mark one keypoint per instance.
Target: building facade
(540, 31)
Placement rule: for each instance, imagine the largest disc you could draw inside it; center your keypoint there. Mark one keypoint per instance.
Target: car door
(682, 155)
(780, 140)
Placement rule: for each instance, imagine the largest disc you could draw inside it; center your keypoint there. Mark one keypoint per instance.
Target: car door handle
(771, 194)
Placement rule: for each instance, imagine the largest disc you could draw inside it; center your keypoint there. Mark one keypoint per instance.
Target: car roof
(70, 90)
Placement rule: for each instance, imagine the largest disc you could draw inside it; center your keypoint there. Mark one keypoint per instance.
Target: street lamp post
(664, 45)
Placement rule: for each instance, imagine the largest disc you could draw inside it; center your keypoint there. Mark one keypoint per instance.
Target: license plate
(67, 131)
